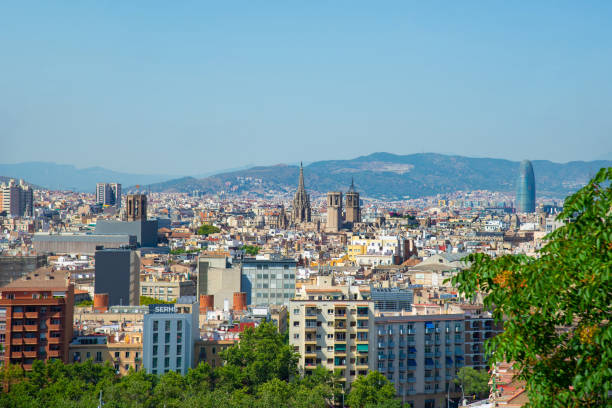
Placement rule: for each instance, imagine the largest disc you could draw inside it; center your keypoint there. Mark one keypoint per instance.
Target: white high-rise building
(108, 194)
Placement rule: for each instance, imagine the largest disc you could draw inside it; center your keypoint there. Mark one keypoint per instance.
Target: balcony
(428, 378)
(16, 354)
(310, 353)
(17, 328)
(430, 391)
(30, 340)
(29, 354)
(55, 340)
(56, 315)
(449, 378)
(16, 342)
(54, 353)
(410, 342)
(437, 354)
(411, 379)
(362, 328)
(310, 366)
(31, 327)
(310, 341)
(31, 315)
(429, 354)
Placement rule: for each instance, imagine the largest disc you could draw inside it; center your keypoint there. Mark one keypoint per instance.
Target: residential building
(170, 332)
(123, 350)
(17, 199)
(167, 289)
(118, 274)
(38, 311)
(268, 281)
(108, 194)
(331, 327)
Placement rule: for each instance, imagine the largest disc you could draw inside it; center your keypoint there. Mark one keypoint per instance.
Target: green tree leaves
(556, 308)
(373, 390)
(206, 229)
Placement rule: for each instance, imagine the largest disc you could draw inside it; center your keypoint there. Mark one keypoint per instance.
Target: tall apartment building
(118, 274)
(108, 194)
(268, 281)
(331, 326)
(38, 310)
(169, 335)
(17, 199)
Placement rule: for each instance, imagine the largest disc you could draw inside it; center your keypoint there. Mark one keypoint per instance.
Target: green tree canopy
(206, 229)
(556, 307)
(251, 249)
(147, 300)
(474, 382)
(372, 390)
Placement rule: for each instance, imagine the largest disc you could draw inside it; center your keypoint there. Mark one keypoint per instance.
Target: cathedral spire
(301, 182)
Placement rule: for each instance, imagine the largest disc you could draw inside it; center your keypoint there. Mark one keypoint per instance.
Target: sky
(185, 88)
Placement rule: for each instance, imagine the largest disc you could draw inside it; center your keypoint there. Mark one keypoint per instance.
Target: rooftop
(42, 278)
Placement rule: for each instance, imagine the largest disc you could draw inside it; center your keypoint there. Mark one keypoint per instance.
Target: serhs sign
(162, 309)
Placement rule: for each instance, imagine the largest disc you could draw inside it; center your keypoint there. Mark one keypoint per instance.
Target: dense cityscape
(165, 282)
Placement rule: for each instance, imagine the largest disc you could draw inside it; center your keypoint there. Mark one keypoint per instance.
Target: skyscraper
(17, 199)
(525, 188)
(108, 194)
(301, 202)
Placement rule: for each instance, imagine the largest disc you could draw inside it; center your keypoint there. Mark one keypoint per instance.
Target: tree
(473, 382)
(251, 249)
(556, 307)
(260, 356)
(147, 300)
(371, 391)
(206, 229)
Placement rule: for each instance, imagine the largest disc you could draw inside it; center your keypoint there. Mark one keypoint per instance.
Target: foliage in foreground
(474, 382)
(556, 308)
(260, 372)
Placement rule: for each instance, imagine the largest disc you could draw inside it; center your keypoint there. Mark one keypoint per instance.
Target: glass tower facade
(525, 188)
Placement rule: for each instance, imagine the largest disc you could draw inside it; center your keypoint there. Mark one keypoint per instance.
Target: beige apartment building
(167, 290)
(330, 326)
(123, 353)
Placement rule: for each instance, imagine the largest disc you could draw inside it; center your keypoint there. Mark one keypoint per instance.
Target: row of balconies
(34, 327)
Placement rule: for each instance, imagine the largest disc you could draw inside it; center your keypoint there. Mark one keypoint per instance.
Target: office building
(169, 335)
(353, 206)
(526, 189)
(268, 281)
(217, 276)
(17, 199)
(331, 327)
(167, 289)
(108, 194)
(118, 274)
(38, 310)
(334, 211)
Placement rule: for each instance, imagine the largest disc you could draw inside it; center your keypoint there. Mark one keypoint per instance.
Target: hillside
(390, 176)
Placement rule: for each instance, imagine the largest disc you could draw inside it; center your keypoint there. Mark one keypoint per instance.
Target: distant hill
(4, 179)
(67, 177)
(390, 176)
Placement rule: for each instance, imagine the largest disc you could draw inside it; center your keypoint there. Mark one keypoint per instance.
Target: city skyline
(260, 84)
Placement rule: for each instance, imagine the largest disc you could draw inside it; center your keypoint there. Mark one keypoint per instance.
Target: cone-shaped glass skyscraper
(525, 188)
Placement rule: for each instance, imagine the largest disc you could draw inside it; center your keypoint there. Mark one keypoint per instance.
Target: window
(127, 354)
(167, 362)
(155, 325)
(154, 350)
(166, 349)
(179, 338)
(116, 354)
(167, 325)
(296, 311)
(296, 335)
(179, 362)
(296, 324)
(98, 356)
(167, 338)
(154, 363)
(179, 325)
(179, 349)
(155, 338)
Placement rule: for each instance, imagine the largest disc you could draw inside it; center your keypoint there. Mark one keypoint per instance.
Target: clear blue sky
(180, 87)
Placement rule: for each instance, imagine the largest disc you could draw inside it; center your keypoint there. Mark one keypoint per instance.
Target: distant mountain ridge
(67, 177)
(391, 176)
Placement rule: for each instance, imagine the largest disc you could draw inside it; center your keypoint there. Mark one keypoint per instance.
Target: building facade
(217, 276)
(17, 199)
(38, 310)
(123, 355)
(353, 206)
(525, 189)
(332, 327)
(334, 211)
(268, 281)
(118, 274)
(108, 194)
(169, 335)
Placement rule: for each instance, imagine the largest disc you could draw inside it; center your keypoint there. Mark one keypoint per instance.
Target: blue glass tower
(525, 188)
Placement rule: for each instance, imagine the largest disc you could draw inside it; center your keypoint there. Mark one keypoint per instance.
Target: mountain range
(378, 175)
(391, 176)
